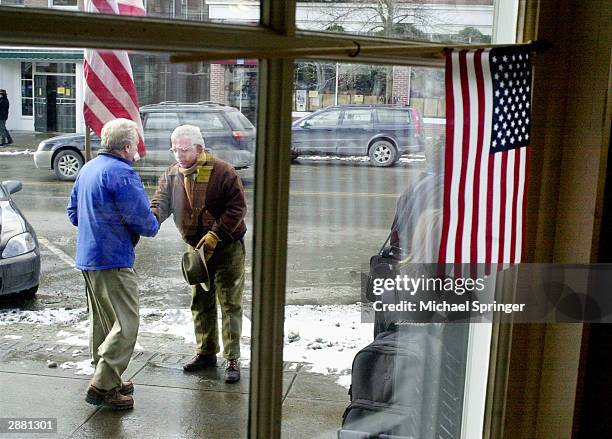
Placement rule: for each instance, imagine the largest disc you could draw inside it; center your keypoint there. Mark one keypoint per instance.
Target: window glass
(162, 121)
(394, 117)
(357, 117)
(64, 3)
(239, 120)
(27, 91)
(465, 21)
(346, 191)
(54, 67)
(12, 2)
(243, 12)
(52, 326)
(206, 120)
(325, 119)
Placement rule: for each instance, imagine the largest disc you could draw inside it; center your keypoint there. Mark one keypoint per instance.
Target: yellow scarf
(189, 175)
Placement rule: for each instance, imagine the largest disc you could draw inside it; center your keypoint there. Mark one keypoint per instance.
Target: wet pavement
(168, 402)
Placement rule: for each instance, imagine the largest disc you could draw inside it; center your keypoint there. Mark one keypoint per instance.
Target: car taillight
(417, 123)
(239, 135)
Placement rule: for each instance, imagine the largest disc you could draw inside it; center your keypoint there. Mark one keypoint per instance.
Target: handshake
(209, 241)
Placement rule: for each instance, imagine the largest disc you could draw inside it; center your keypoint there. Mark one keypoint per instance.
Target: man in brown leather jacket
(206, 198)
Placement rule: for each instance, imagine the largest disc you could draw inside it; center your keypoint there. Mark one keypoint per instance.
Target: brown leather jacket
(218, 205)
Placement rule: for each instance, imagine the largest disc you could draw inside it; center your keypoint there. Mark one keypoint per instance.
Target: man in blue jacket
(109, 206)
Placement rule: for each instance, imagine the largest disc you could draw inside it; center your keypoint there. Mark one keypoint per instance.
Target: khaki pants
(114, 319)
(226, 270)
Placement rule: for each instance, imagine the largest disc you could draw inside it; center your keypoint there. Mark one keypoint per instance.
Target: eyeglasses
(179, 150)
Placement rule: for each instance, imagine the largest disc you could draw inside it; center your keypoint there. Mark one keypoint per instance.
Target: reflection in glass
(467, 21)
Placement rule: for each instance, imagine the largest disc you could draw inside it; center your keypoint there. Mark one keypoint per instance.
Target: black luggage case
(408, 384)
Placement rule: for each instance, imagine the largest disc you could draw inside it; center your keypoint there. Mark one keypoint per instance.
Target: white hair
(190, 132)
(117, 133)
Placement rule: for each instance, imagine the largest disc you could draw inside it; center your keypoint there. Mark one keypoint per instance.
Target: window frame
(277, 29)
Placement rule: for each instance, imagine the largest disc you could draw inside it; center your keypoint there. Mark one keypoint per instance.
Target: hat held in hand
(194, 268)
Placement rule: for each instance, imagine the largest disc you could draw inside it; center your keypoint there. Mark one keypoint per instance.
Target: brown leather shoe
(200, 361)
(232, 373)
(127, 388)
(109, 398)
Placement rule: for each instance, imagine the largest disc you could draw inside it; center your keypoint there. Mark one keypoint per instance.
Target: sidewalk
(23, 140)
(168, 402)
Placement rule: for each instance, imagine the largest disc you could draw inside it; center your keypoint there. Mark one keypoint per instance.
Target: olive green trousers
(113, 317)
(226, 271)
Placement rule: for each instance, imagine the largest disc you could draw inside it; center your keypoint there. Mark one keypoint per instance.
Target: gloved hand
(209, 241)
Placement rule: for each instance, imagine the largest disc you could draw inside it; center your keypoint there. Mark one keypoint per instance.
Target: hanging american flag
(488, 98)
(109, 84)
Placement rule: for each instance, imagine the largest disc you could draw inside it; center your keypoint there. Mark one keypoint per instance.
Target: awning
(37, 55)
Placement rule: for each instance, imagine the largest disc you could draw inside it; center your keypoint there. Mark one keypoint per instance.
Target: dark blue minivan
(382, 132)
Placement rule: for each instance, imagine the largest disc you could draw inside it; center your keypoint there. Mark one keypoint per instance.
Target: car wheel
(29, 294)
(67, 164)
(382, 153)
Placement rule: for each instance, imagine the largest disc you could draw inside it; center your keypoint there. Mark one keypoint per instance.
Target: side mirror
(12, 186)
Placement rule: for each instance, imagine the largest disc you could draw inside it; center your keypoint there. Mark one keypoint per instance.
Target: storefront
(44, 88)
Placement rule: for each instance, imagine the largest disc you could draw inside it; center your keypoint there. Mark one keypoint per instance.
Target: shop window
(27, 90)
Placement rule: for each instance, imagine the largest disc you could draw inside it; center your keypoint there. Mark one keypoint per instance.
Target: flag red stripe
(489, 231)
(105, 95)
(502, 206)
(124, 77)
(479, 152)
(465, 150)
(515, 206)
(103, 6)
(130, 10)
(448, 156)
(92, 120)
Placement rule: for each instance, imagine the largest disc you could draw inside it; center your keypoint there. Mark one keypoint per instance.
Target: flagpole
(87, 144)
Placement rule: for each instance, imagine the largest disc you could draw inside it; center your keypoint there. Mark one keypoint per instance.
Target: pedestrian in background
(206, 198)
(109, 206)
(5, 136)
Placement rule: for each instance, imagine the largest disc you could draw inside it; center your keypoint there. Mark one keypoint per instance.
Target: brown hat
(194, 268)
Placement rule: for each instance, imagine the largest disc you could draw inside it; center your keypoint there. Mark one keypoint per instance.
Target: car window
(357, 117)
(392, 116)
(162, 121)
(239, 120)
(206, 121)
(325, 119)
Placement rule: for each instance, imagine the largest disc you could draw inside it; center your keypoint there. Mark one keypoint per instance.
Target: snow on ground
(80, 367)
(13, 337)
(42, 317)
(411, 158)
(24, 152)
(325, 338)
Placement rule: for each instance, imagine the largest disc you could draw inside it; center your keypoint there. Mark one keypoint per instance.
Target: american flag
(488, 98)
(109, 84)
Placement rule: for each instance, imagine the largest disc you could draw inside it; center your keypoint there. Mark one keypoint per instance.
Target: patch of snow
(42, 317)
(81, 367)
(13, 337)
(24, 152)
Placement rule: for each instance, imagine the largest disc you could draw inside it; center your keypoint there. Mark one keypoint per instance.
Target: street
(340, 214)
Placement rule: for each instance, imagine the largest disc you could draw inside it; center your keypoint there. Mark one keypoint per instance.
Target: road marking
(57, 252)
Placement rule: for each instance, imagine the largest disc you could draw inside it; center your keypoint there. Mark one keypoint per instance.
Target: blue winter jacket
(109, 206)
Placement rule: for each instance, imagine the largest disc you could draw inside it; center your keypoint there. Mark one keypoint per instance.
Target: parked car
(227, 133)
(382, 132)
(19, 252)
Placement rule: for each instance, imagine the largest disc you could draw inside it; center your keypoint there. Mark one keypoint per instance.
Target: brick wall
(401, 83)
(217, 83)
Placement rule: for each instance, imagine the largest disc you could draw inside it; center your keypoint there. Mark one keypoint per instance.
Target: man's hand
(209, 241)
